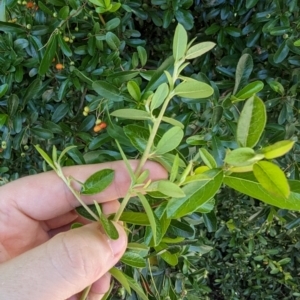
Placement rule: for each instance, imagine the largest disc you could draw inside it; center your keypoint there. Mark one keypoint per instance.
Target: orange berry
(59, 66)
(100, 126)
(30, 4)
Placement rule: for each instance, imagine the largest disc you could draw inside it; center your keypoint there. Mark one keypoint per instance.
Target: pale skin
(40, 257)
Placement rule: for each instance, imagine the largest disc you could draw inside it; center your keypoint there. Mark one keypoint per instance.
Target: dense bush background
(250, 250)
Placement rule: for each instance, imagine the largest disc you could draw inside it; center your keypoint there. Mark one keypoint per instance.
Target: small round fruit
(26, 147)
(85, 113)
(87, 109)
(30, 4)
(55, 15)
(66, 39)
(28, 26)
(76, 28)
(98, 121)
(59, 67)
(23, 154)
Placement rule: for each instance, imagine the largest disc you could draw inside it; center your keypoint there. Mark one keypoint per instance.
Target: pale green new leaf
(159, 96)
(243, 71)
(278, 149)
(193, 89)
(45, 156)
(167, 188)
(131, 113)
(197, 193)
(272, 178)
(173, 122)
(122, 278)
(242, 157)
(170, 140)
(175, 167)
(247, 184)
(199, 49)
(134, 90)
(179, 42)
(150, 214)
(207, 158)
(251, 123)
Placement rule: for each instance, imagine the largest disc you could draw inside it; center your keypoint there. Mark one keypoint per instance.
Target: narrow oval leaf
(179, 42)
(272, 178)
(247, 184)
(131, 113)
(242, 157)
(207, 158)
(142, 55)
(249, 90)
(134, 90)
(159, 96)
(193, 89)
(197, 193)
(150, 215)
(243, 71)
(98, 182)
(133, 259)
(3, 89)
(107, 90)
(278, 149)
(170, 140)
(137, 218)
(138, 136)
(167, 188)
(251, 123)
(121, 277)
(48, 56)
(109, 227)
(199, 49)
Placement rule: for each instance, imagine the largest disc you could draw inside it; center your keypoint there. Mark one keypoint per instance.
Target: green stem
(75, 193)
(85, 293)
(123, 205)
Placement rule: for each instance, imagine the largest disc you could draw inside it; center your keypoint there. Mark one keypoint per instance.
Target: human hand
(40, 258)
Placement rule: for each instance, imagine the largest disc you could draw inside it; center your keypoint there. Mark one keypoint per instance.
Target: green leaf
(251, 123)
(132, 114)
(3, 89)
(150, 215)
(278, 149)
(199, 49)
(138, 136)
(121, 277)
(276, 86)
(113, 41)
(64, 12)
(175, 168)
(179, 42)
(136, 287)
(42, 133)
(272, 178)
(207, 158)
(64, 46)
(281, 53)
(60, 112)
(31, 91)
(134, 90)
(173, 122)
(133, 259)
(136, 218)
(98, 182)
(49, 55)
(247, 184)
(112, 24)
(84, 213)
(167, 188)
(45, 156)
(108, 227)
(3, 119)
(297, 43)
(63, 153)
(243, 70)
(242, 157)
(167, 256)
(249, 90)
(107, 90)
(197, 193)
(193, 89)
(142, 55)
(10, 27)
(170, 140)
(159, 96)
(3, 11)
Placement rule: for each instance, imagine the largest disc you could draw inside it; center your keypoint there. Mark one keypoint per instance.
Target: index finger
(45, 196)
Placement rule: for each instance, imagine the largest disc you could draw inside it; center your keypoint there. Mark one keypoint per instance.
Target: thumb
(63, 266)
